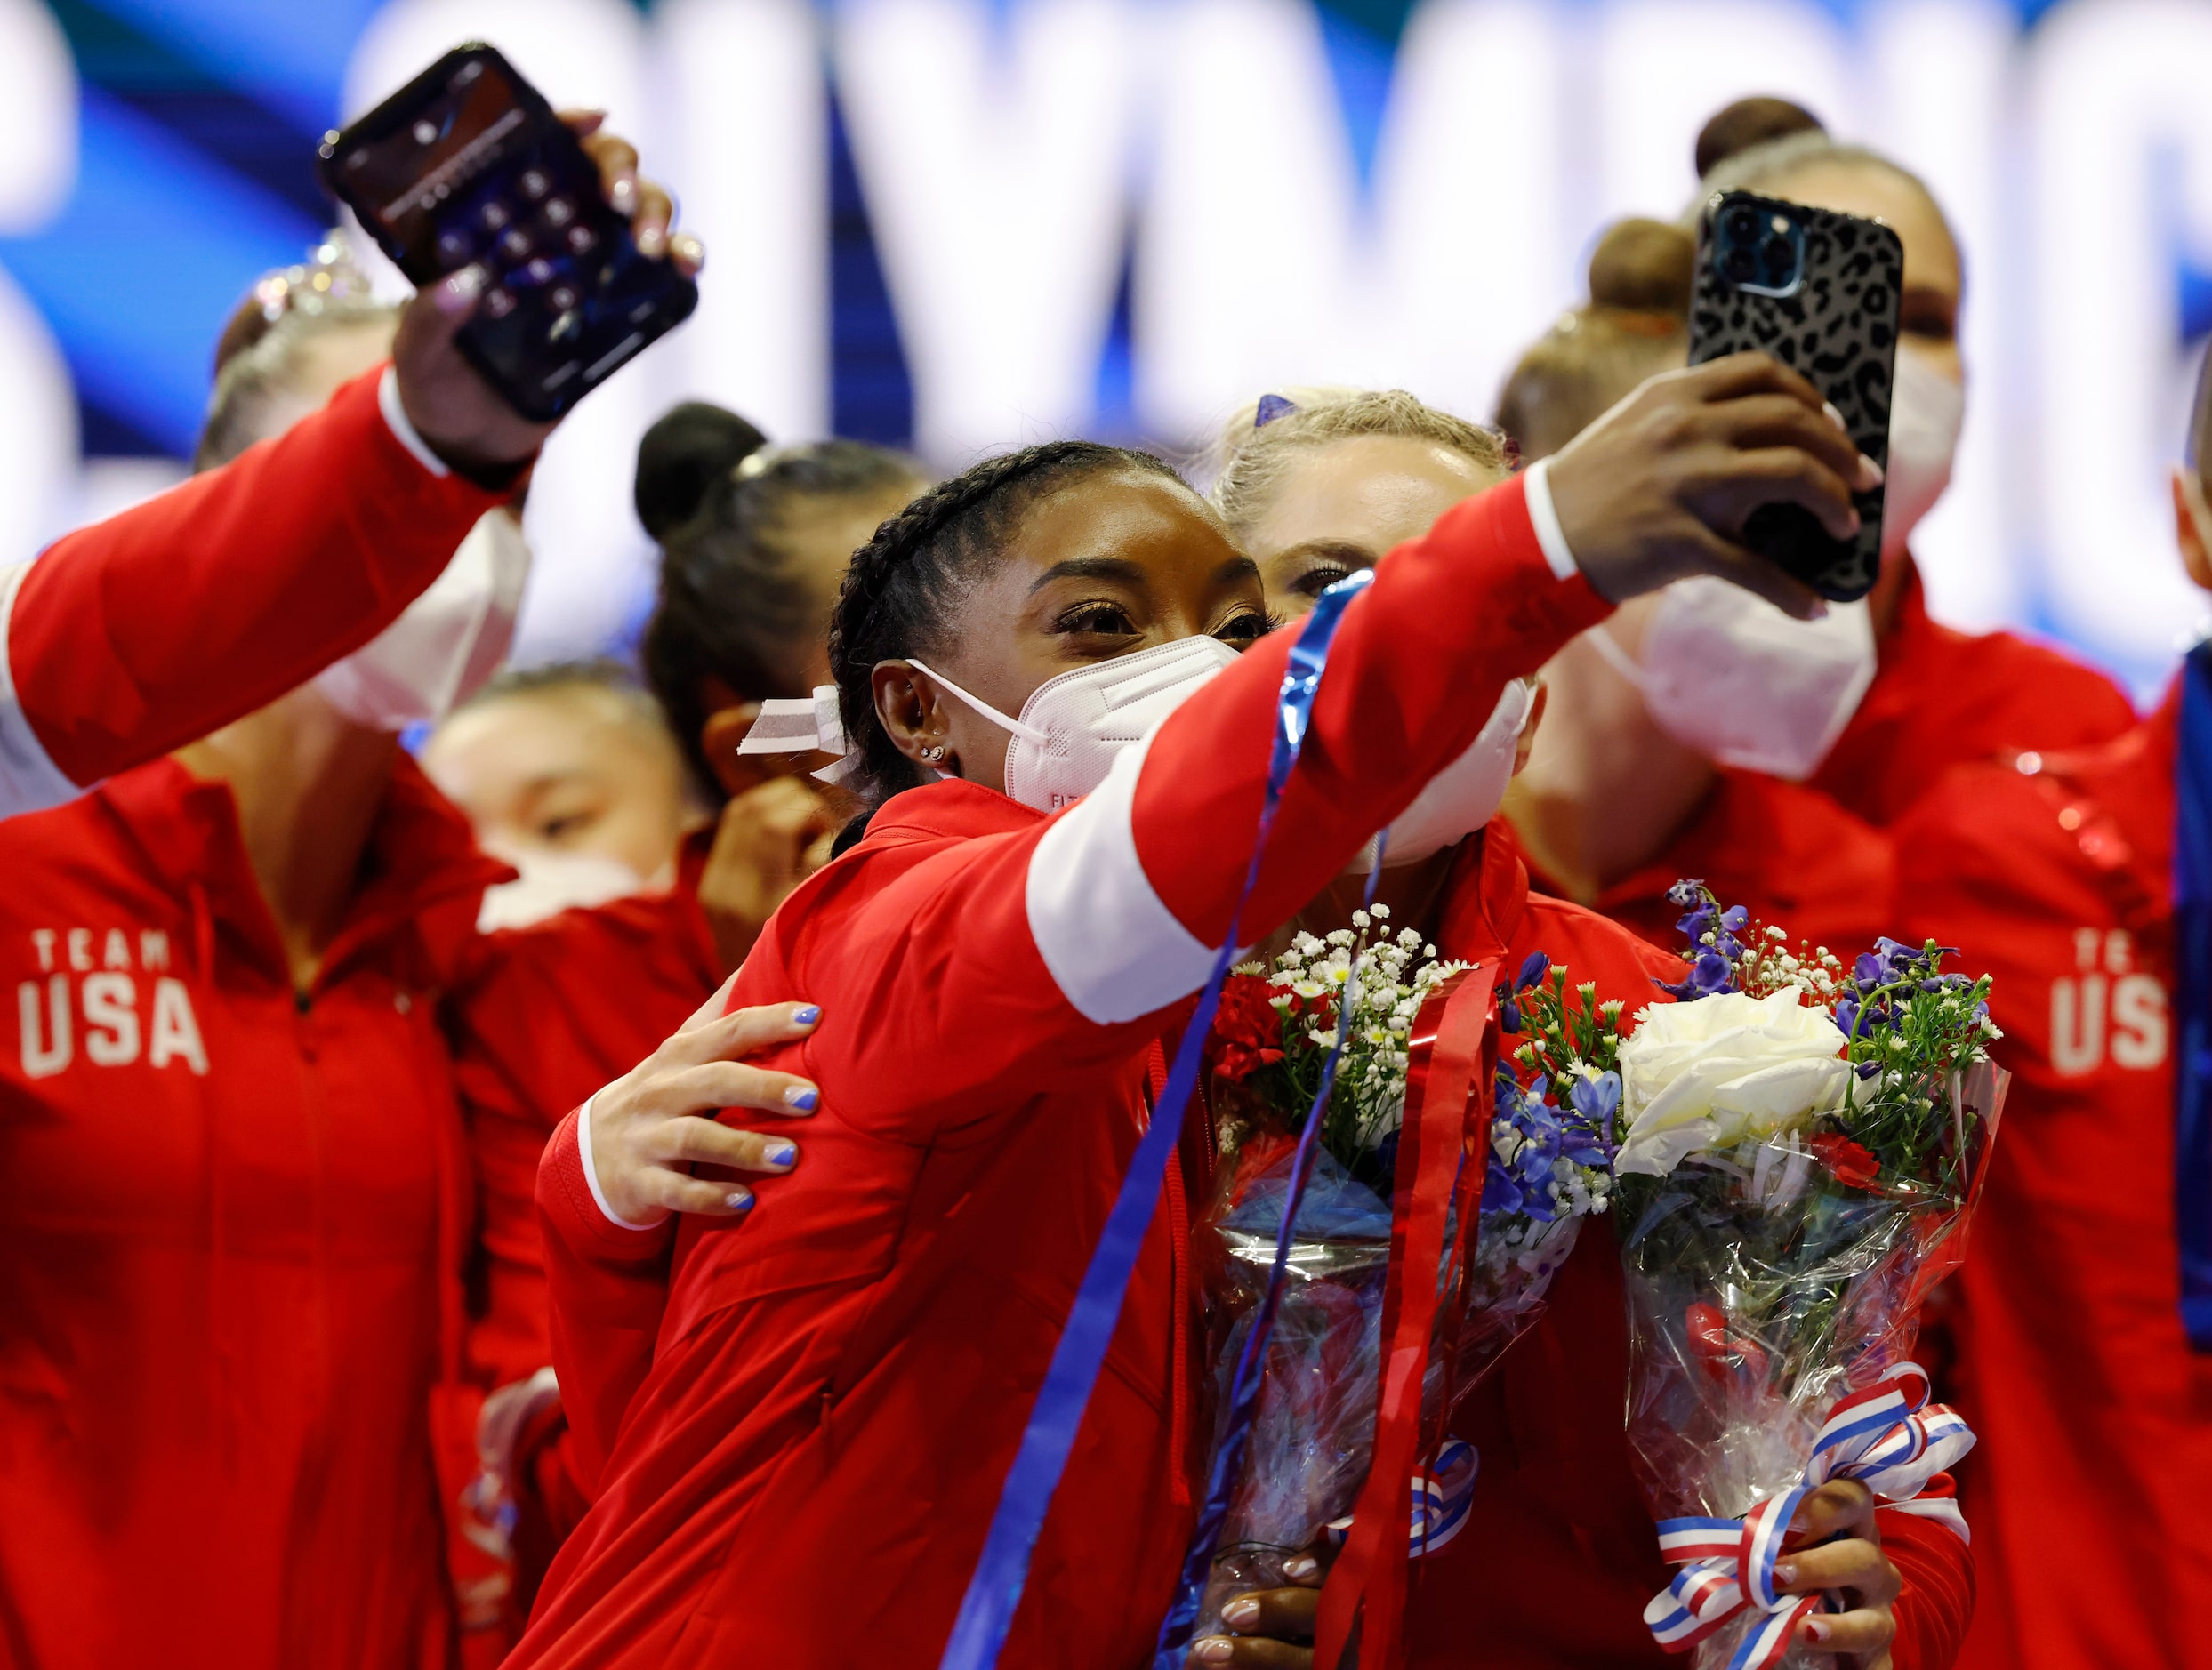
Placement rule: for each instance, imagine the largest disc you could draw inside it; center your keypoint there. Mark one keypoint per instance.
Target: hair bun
(681, 457)
(1735, 128)
(1643, 266)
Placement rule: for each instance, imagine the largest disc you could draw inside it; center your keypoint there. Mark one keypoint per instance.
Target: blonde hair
(1255, 452)
(256, 382)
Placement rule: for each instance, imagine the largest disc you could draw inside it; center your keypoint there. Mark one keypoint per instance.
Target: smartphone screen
(409, 174)
(468, 164)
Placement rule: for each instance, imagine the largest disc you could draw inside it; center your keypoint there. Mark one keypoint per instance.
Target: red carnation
(1852, 1165)
(1248, 1027)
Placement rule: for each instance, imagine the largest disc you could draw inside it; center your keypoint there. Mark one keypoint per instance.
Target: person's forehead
(530, 732)
(1120, 513)
(1881, 193)
(1368, 488)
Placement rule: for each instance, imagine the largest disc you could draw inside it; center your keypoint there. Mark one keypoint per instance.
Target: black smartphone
(1819, 291)
(469, 162)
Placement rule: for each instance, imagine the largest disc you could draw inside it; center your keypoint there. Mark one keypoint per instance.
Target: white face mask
(1733, 677)
(1925, 411)
(448, 643)
(1072, 726)
(1465, 795)
(548, 883)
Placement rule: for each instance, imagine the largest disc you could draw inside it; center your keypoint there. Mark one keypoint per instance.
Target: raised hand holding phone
(542, 261)
(1820, 292)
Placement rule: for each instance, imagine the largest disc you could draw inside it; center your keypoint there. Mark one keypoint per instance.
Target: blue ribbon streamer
(986, 1611)
(2192, 936)
(1243, 1407)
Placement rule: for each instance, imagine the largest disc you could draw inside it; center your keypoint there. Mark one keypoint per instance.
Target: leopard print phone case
(1818, 290)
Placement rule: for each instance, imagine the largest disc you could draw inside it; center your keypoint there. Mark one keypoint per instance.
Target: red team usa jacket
(2052, 872)
(232, 1227)
(151, 629)
(232, 1224)
(804, 1420)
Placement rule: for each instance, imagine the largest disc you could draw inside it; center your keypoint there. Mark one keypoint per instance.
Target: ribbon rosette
(1441, 1496)
(1889, 1437)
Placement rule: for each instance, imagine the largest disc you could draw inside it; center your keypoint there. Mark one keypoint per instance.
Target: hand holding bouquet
(1546, 1163)
(1802, 1150)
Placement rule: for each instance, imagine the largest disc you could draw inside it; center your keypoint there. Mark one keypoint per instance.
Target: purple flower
(1846, 1016)
(1532, 970)
(1710, 973)
(1598, 1099)
(1509, 1015)
(1686, 894)
(1869, 1068)
(1734, 918)
(1501, 1191)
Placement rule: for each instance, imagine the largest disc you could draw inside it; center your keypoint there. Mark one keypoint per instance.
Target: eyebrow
(1116, 568)
(1121, 570)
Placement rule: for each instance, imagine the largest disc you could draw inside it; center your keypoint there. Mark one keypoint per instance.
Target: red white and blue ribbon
(1442, 1498)
(1889, 1437)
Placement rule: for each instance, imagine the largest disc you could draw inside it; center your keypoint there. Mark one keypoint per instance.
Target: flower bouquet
(1802, 1148)
(1312, 1435)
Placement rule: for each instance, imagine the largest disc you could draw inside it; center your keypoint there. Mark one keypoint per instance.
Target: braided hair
(734, 606)
(899, 593)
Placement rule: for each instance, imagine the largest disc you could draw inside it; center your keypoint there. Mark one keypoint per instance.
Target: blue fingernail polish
(739, 1201)
(802, 1097)
(807, 1016)
(779, 1153)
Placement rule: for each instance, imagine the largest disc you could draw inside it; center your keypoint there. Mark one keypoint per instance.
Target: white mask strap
(1607, 646)
(803, 726)
(1015, 727)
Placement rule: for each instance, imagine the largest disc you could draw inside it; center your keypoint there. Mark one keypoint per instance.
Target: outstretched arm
(138, 634)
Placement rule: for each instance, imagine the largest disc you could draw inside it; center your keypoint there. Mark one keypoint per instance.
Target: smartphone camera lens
(1737, 266)
(1742, 226)
(1778, 262)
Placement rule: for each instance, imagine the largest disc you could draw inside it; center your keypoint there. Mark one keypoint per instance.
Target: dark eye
(1319, 578)
(1097, 619)
(564, 827)
(1247, 626)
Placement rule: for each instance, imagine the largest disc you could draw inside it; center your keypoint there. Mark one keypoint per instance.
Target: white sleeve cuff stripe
(1536, 492)
(591, 1175)
(29, 780)
(1113, 949)
(396, 418)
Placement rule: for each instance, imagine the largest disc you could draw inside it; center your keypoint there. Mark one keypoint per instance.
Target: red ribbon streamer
(1446, 1046)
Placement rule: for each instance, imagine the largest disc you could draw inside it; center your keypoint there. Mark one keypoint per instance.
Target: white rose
(1712, 1072)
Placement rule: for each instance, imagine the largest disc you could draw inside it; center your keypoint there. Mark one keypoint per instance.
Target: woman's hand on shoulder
(651, 1126)
(1660, 487)
(457, 414)
(1835, 1545)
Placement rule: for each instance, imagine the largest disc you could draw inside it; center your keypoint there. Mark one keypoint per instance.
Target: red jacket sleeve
(609, 1287)
(143, 632)
(1936, 1604)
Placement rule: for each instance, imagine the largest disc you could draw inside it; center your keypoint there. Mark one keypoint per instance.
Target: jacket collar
(420, 871)
(951, 807)
(1485, 895)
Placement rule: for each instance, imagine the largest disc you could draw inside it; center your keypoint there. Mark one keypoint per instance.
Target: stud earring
(933, 753)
